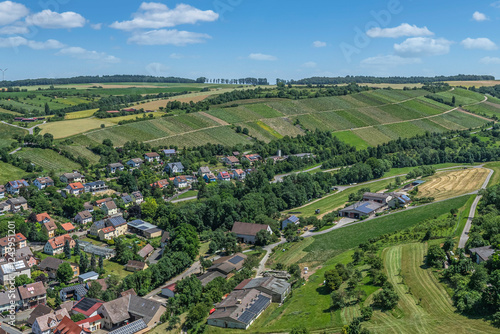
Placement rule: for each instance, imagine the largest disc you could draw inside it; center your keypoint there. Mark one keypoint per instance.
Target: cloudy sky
(237, 38)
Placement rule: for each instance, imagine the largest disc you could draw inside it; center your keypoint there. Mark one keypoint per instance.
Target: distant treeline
(493, 91)
(390, 80)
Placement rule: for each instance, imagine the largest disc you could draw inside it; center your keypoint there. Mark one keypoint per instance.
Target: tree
(76, 249)
(47, 109)
(149, 207)
(64, 273)
(196, 315)
(366, 313)
(67, 249)
(387, 298)
(339, 299)
(22, 279)
(448, 244)
(262, 238)
(479, 278)
(77, 317)
(101, 263)
(332, 279)
(205, 263)
(93, 262)
(84, 263)
(435, 256)
(299, 330)
(245, 131)
(95, 290)
(294, 270)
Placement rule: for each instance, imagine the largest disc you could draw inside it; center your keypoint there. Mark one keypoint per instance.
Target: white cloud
(400, 31)
(177, 56)
(479, 43)
(81, 53)
(17, 41)
(490, 60)
(164, 37)
(14, 30)
(477, 16)
(422, 46)
(156, 69)
(96, 26)
(390, 60)
(310, 64)
(262, 57)
(52, 20)
(319, 44)
(11, 12)
(152, 15)
(496, 4)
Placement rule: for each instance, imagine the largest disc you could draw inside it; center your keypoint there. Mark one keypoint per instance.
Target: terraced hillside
(364, 119)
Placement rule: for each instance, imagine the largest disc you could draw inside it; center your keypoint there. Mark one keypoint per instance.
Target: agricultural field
(7, 132)
(69, 128)
(9, 173)
(485, 83)
(455, 183)
(80, 114)
(48, 159)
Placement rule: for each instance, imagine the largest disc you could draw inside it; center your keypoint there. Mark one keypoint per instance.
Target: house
(107, 233)
(56, 245)
(13, 187)
(231, 161)
(2, 191)
(68, 326)
(83, 217)
(24, 253)
(209, 276)
(88, 207)
(247, 232)
(10, 270)
(96, 227)
(399, 200)
(138, 198)
(482, 254)
(223, 176)
(150, 157)
(94, 187)
(17, 204)
(120, 311)
(146, 251)
(87, 306)
(174, 168)
(43, 218)
(169, 152)
(119, 223)
(68, 227)
(115, 167)
(169, 290)
(240, 309)
(75, 189)
(144, 229)
(110, 208)
(228, 264)
(251, 158)
(135, 163)
(10, 300)
(165, 237)
(46, 324)
(75, 292)
(239, 174)
(100, 202)
(159, 184)
(361, 209)
(277, 288)
(290, 220)
(50, 227)
(72, 177)
(32, 295)
(90, 276)
(91, 324)
(4, 207)
(38, 311)
(202, 171)
(43, 182)
(377, 197)
(210, 177)
(50, 265)
(136, 265)
(18, 239)
(181, 182)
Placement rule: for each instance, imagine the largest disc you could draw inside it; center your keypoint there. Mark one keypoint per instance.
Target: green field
(10, 173)
(7, 132)
(48, 159)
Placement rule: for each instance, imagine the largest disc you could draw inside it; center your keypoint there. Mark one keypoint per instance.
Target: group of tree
(388, 80)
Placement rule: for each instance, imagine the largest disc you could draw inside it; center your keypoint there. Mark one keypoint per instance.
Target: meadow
(10, 173)
(48, 159)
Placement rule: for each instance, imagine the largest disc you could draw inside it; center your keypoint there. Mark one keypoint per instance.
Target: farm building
(133, 265)
(169, 290)
(290, 220)
(144, 229)
(377, 197)
(277, 288)
(228, 264)
(361, 209)
(482, 254)
(90, 276)
(246, 232)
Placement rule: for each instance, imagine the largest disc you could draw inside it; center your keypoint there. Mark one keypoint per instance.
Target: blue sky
(238, 38)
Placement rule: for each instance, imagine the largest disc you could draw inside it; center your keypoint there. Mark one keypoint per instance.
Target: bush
(435, 257)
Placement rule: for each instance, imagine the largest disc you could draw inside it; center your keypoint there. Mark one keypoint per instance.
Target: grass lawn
(115, 268)
(463, 215)
(9, 173)
(495, 178)
(204, 248)
(188, 194)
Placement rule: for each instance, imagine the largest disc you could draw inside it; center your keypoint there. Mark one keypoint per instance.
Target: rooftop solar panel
(85, 304)
(259, 304)
(236, 259)
(246, 317)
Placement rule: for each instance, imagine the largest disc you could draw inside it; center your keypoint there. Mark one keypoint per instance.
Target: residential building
(153, 156)
(91, 324)
(251, 158)
(110, 208)
(138, 198)
(174, 168)
(181, 182)
(146, 251)
(277, 288)
(361, 209)
(68, 227)
(231, 161)
(246, 232)
(210, 177)
(49, 265)
(228, 264)
(88, 207)
(377, 197)
(115, 167)
(96, 227)
(87, 306)
(290, 220)
(100, 202)
(239, 174)
(240, 309)
(202, 171)
(136, 265)
(38, 311)
(224, 176)
(75, 189)
(160, 184)
(24, 253)
(17, 204)
(119, 223)
(90, 276)
(56, 245)
(482, 254)
(46, 324)
(72, 177)
(135, 163)
(32, 295)
(68, 326)
(127, 199)
(18, 239)
(83, 217)
(10, 270)
(2, 191)
(169, 290)
(95, 187)
(8, 300)
(169, 152)
(50, 227)
(165, 237)
(75, 292)
(144, 229)
(107, 233)
(42, 218)
(43, 182)
(13, 187)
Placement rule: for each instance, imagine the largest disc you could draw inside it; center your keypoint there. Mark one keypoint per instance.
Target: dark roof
(87, 306)
(31, 290)
(376, 195)
(147, 308)
(131, 328)
(273, 284)
(484, 253)
(145, 251)
(293, 219)
(38, 311)
(364, 207)
(116, 221)
(50, 263)
(141, 225)
(80, 289)
(209, 276)
(248, 228)
(165, 236)
(136, 264)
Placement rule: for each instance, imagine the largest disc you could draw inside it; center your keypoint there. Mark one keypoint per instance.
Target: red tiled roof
(108, 229)
(171, 287)
(67, 326)
(242, 285)
(41, 217)
(88, 320)
(67, 227)
(152, 155)
(76, 185)
(19, 237)
(90, 310)
(59, 241)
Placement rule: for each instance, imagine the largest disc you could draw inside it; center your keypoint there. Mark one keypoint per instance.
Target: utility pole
(3, 73)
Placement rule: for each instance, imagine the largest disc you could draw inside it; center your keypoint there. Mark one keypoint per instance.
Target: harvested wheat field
(450, 184)
(155, 105)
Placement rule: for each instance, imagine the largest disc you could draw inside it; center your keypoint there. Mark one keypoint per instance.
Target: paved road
(184, 199)
(465, 234)
(17, 149)
(30, 130)
(9, 329)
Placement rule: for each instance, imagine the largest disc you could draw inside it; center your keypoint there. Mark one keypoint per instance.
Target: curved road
(30, 130)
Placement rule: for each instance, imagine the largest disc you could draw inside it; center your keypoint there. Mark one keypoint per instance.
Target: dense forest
(390, 80)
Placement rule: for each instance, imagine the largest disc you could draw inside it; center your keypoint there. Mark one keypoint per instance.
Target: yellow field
(116, 120)
(486, 83)
(80, 114)
(450, 184)
(72, 127)
(155, 105)
(393, 86)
